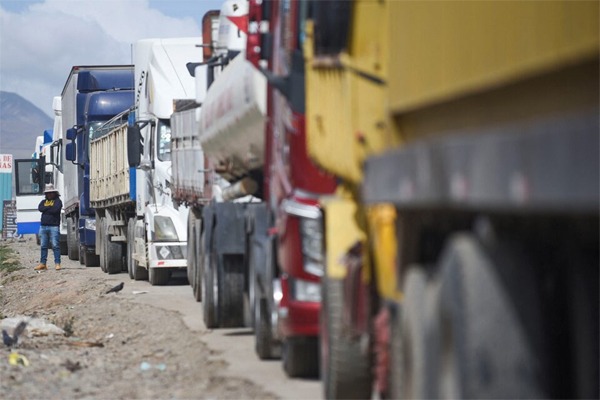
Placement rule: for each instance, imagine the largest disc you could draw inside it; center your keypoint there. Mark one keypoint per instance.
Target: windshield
(163, 133)
(92, 134)
(93, 129)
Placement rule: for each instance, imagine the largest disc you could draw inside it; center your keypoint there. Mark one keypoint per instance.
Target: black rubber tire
(72, 241)
(159, 276)
(266, 348)
(301, 357)
(252, 297)
(82, 254)
(100, 238)
(191, 249)
(489, 322)
(140, 273)
(231, 291)
(345, 369)
(130, 247)
(113, 252)
(64, 248)
(209, 298)
(199, 266)
(91, 259)
(409, 356)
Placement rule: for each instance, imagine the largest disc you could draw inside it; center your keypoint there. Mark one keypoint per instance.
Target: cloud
(39, 45)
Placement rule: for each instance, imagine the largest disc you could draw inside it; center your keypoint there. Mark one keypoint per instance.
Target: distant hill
(20, 123)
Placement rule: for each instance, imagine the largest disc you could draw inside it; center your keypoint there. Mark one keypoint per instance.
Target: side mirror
(134, 145)
(71, 133)
(55, 154)
(71, 152)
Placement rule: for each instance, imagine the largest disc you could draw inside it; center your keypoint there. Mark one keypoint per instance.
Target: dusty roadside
(136, 351)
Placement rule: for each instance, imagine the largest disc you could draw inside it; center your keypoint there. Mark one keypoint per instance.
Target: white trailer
(145, 217)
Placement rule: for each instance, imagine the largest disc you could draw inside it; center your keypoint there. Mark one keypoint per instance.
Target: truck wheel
(72, 241)
(209, 293)
(100, 238)
(345, 368)
(408, 362)
(198, 266)
(488, 324)
(159, 276)
(112, 252)
(64, 248)
(130, 247)
(91, 259)
(191, 250)
(265, 346)
(252, 298)
(231, 292)
(139, 273)
(301, 357)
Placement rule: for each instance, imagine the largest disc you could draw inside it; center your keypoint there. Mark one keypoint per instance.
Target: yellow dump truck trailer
(462, 244)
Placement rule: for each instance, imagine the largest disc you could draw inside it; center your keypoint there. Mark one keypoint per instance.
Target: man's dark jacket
(50, 210)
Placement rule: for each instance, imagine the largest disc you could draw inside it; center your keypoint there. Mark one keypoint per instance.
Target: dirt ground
(112, 347)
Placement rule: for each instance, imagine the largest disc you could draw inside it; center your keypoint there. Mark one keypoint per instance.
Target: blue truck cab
(101, 94)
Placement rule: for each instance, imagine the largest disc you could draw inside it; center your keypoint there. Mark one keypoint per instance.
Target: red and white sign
(6, 163)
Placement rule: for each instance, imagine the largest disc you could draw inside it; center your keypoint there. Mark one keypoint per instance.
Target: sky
(40, 40)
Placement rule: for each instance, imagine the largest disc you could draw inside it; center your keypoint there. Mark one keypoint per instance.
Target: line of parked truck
(402, 197)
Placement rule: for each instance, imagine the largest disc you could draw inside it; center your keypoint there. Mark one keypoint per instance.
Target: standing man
(49, 229)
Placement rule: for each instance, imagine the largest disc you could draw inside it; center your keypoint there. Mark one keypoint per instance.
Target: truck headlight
(311, 231)
(90, 224)
(306, 290)
(164, 230)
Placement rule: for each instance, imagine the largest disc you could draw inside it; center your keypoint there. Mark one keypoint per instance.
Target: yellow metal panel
(346, 96)
(445, 49)
(341, 233)
(383, 242)
(368, 48)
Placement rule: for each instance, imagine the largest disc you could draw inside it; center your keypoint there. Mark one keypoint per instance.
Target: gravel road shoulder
(113, 347)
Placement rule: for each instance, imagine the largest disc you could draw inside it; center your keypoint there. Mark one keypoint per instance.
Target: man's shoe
(57, 267)
(40, 267)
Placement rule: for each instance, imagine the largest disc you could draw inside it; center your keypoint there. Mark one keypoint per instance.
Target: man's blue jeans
(50, 234)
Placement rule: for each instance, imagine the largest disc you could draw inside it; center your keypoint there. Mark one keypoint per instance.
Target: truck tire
(479, 356)
(100, 238)
(345, 368)
(112, 252)
(91, 259)
(409, 358)
(301, 357)
(72, 241)
(139, 273)
(210, 290)
(266, 348)
(199, 268)
(231, 291)
(64, 248)
(191, 250)
(159, 276)
(130, 246)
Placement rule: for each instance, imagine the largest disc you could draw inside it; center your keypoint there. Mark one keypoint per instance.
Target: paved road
(235, 346)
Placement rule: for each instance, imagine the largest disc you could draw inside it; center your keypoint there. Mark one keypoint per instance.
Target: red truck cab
(292, 183)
